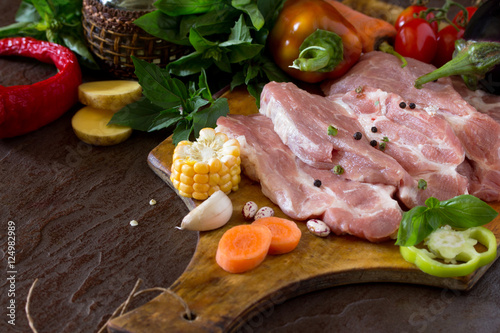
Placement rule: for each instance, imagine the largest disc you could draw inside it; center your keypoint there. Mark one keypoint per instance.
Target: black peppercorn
(402, 105)
(317, 183)
(412, 105)
(373, 143)
(358, 135)
(374, 129)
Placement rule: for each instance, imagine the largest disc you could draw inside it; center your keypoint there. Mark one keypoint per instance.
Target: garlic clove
(211, 214)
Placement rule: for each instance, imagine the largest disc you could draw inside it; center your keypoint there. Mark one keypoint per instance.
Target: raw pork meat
(302, 119)
(479, 99)
(364, 210)
(478, 132)
(423, 144)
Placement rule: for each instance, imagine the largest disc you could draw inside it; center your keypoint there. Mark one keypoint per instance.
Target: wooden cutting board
(222, 302)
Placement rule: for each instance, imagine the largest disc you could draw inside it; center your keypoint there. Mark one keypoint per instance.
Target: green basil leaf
(158, 86)
(15, 29)
(208, 117)
(200, 43)
(211, 23)
(188, 7)
(414, 227)
(203, 84)
(270, 10)
(165, 119)
(250, 7)
(467, 211)
(162, 26)
(189, 64)
(79, 47)
(139, 115)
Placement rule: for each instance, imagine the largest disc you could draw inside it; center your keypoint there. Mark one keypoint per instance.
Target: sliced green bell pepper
(456, 260)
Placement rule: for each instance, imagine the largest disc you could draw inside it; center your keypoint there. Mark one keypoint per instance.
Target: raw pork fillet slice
(302, 119)
(424, 144)
(363, 210)
(479, 99)
(478, 132)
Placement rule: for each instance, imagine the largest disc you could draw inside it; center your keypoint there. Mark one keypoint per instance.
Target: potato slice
(109, 95)
(91, 126)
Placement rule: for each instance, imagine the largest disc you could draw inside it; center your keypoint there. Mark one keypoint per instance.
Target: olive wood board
(223, 302)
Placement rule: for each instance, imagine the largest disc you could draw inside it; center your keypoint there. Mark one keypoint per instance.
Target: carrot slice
(243, 247)
(286, 234)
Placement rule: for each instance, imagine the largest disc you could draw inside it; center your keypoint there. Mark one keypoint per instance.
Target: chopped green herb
(422, 184)
(338, 170)
(332, 130)
(385, 139)
(382, 146)
(377, 103)
(359, 90)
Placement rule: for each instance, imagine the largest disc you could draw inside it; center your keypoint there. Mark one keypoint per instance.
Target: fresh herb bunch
(228, 38)
(169, 103)
(463, 211)
(56, 21)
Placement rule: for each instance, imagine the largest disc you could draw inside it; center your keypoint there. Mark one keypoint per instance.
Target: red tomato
(416, 39)
(446, 44)
(410, 13)
(459, 18)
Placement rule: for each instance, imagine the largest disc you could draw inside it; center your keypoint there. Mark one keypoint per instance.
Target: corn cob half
(209, 164)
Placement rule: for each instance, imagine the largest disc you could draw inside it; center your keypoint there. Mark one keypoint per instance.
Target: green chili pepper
(456, 251)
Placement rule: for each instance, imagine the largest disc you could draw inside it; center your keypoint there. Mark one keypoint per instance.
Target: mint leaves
(169, 103)
(463, 211)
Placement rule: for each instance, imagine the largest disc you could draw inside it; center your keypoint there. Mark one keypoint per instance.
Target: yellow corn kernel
(225, 179)
(214, 179)
(231, 150)
(201, 187)
(228, 160)
(176, 183)
(200, 196)
(187, 170)
(201, 178)
(185, 188)
(201, 167)
(226, 188)
(235, 180)
(213, 189)
(215, 165)
(184, 194)
(223, 170)
(235, 170)
(177, 165)
(186, 180)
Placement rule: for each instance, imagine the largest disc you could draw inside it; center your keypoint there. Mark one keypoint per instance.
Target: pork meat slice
(423, 144)
(478, 132)
(348, 207)
(302, 120)
(479, 99)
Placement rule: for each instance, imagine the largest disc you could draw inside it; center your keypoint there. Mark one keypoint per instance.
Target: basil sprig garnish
(463, 211)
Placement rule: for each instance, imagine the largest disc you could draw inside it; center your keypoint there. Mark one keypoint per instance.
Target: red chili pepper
(25, 108)
(301, 19)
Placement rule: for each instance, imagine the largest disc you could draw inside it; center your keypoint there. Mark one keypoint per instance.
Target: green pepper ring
(434, 267)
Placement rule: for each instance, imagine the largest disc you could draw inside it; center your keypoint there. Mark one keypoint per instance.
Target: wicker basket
(112, 37)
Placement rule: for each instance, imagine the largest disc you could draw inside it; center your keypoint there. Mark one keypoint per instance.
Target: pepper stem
(472, 60)
(321, 51)
(387, 48)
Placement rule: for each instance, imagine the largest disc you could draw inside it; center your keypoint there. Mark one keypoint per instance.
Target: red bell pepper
(304, 30)
(25, 108)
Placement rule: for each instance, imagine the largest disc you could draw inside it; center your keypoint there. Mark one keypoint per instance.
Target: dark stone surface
(72, 204)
